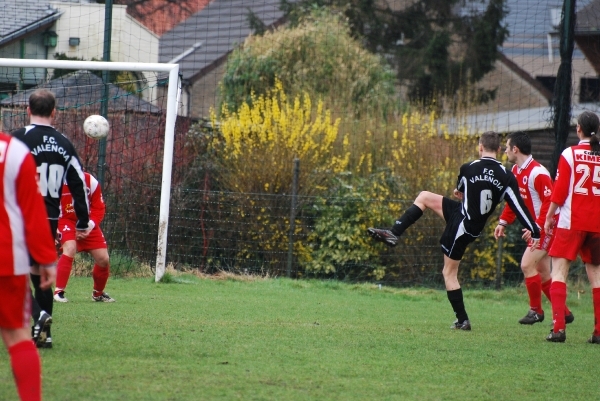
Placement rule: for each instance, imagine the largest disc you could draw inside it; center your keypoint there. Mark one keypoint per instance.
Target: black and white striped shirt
(485, 183)
(57, 162)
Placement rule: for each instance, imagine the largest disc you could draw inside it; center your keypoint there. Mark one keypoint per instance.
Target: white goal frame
(173, 96)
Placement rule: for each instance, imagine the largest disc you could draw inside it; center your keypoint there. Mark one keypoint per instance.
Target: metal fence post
(295, 174)
(499, 264)
(108, 6)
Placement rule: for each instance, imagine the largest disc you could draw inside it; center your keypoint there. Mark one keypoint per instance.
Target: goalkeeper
(73, 242)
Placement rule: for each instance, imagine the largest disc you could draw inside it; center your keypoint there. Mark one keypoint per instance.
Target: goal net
(135, 163)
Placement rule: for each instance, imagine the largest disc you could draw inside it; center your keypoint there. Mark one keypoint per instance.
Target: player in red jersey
(23, 232)
(577, 193)
(94, 242)
(535, 187)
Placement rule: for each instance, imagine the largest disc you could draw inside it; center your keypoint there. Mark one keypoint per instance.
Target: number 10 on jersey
(50, 179)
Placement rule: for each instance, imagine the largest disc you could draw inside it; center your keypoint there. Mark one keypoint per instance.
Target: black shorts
(454, 239)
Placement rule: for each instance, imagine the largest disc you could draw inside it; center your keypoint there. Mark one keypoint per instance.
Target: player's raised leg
(425, 200)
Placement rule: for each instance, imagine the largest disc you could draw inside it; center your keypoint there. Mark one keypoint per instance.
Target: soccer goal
(137, 159)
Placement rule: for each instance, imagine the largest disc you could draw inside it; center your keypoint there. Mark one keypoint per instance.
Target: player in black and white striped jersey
(482, 184)
(57, 162)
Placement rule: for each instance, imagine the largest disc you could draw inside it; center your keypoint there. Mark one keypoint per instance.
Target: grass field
(278, 339)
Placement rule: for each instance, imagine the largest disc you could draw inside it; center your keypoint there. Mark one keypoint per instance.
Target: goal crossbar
(174, 91)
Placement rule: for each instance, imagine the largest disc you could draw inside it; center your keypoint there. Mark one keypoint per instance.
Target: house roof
(588, 19)
(587, 33)
(83, 88)
(20, 18)
(533, 119)
(529, 22)
(160, 16)
(212, 33)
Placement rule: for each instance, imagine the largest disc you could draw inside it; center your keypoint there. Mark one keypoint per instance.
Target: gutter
(589, 31)
(30, 28)
(186, 53)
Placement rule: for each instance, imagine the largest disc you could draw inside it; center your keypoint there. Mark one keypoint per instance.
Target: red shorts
(568, 243)
(67, 231)
(15, 308)
(546, 239)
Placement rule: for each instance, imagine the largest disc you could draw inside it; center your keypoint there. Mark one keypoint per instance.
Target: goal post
(173, 96)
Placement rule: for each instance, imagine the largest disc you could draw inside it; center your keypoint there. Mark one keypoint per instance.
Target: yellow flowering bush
(484, 253)
(312, 92)
(259, 142)
(364, 176)
(255, 150)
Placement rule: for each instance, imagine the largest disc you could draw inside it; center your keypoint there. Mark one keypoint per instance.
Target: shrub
(259, 142)
(347, 183)
(484, 255)
(318, 57)
(337, 244)
(254, 152)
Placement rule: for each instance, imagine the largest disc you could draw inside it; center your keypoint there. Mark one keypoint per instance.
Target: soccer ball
(96, 127)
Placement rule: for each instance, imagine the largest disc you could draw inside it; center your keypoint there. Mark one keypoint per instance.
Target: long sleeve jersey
(24, 226)
(577, 188)
(535, 187)
(485, 183)
(97, 206)
(57, 162)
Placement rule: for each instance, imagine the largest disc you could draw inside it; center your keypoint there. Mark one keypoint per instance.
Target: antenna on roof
(186, 53)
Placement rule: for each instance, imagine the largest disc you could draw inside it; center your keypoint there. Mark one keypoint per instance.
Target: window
(589, 90)
(548, 81)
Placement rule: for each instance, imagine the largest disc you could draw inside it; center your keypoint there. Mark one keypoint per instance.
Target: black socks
(410, 216)
(456, 300)
(43, 298)
(35, 308)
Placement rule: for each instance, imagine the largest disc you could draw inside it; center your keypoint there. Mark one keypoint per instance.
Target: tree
(435, 49)
(318, 56)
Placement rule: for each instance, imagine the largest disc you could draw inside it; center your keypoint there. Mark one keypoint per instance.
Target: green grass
(279, 339)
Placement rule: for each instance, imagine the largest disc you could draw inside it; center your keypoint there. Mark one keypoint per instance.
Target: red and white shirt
(535, 187)
(577, 188)
(24, 227)
(96, 201)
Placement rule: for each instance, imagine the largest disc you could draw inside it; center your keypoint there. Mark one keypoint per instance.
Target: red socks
(27, 371)
(100, 276)
(63, 271)
(596, 301)
(534, 289)
(546, 290)
(558, 292)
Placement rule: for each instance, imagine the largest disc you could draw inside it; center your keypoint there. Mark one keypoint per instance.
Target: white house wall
(131, 41)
